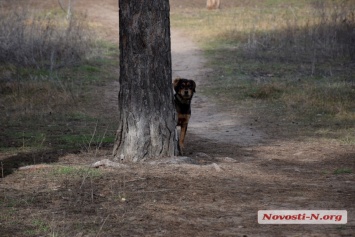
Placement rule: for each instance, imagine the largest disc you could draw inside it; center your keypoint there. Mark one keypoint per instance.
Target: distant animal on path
(213, 4)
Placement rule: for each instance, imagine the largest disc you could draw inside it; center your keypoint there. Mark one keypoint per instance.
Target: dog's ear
(193, 85)
(176, 83)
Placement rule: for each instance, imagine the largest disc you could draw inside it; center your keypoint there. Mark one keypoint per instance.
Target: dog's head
(184, 87)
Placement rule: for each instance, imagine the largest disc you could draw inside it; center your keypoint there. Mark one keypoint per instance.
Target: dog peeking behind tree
(184, 91)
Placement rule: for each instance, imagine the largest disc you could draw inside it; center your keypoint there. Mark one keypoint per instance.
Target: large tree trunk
(147, 117)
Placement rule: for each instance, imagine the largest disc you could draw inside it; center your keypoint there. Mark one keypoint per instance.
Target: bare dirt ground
(242, 164)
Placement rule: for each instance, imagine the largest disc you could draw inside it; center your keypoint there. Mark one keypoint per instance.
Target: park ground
(251, 146)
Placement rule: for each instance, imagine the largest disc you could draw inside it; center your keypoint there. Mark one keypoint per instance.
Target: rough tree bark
(147, 117)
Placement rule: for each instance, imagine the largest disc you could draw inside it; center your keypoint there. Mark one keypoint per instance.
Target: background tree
(67, 9)
(146, 111)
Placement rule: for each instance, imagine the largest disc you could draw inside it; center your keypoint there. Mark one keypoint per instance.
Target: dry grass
(49, 66)
(42, 41)
(36, 97)
(334, 99)
(67, 199)
(296, 58)
(311, 32)
(35, 46)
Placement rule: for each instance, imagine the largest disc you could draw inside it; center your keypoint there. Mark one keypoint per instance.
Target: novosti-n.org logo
(302, 217)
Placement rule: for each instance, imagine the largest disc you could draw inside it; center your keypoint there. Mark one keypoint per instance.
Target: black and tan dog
(184, 91)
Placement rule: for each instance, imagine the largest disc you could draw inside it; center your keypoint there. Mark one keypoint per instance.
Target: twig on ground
(34, 167)
(2, 170)
(107, 163)
(98, 234)
(217, 167)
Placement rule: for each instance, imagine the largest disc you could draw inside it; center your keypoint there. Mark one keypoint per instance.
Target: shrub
(320, 33)
(42, 42)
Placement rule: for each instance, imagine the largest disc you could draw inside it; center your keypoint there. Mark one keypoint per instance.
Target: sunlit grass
(76, 172)
(293, 58)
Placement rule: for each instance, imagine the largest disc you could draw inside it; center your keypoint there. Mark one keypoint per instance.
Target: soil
(240, 164)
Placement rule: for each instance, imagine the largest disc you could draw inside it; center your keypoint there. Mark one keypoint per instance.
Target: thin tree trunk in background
(147, 117)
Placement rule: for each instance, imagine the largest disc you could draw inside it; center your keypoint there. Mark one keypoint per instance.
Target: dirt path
(242, 170)
(207, 121)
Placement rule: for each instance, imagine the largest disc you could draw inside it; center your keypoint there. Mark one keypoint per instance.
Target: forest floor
(243, 163)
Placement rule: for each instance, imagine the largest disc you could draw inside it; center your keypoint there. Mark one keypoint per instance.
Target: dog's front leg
(182, 138)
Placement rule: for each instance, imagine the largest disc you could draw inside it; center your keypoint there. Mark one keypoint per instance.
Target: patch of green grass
(9, 203)
(31, 139)
(343, 171)
(108, 49)
(57, 131)
(74, 140)
(90, 69)
(53, 13)
(80, 116)
(299, 3)
(76, 171)
(40, 226)
(267, 91)
(349, 138)
(86, 142)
